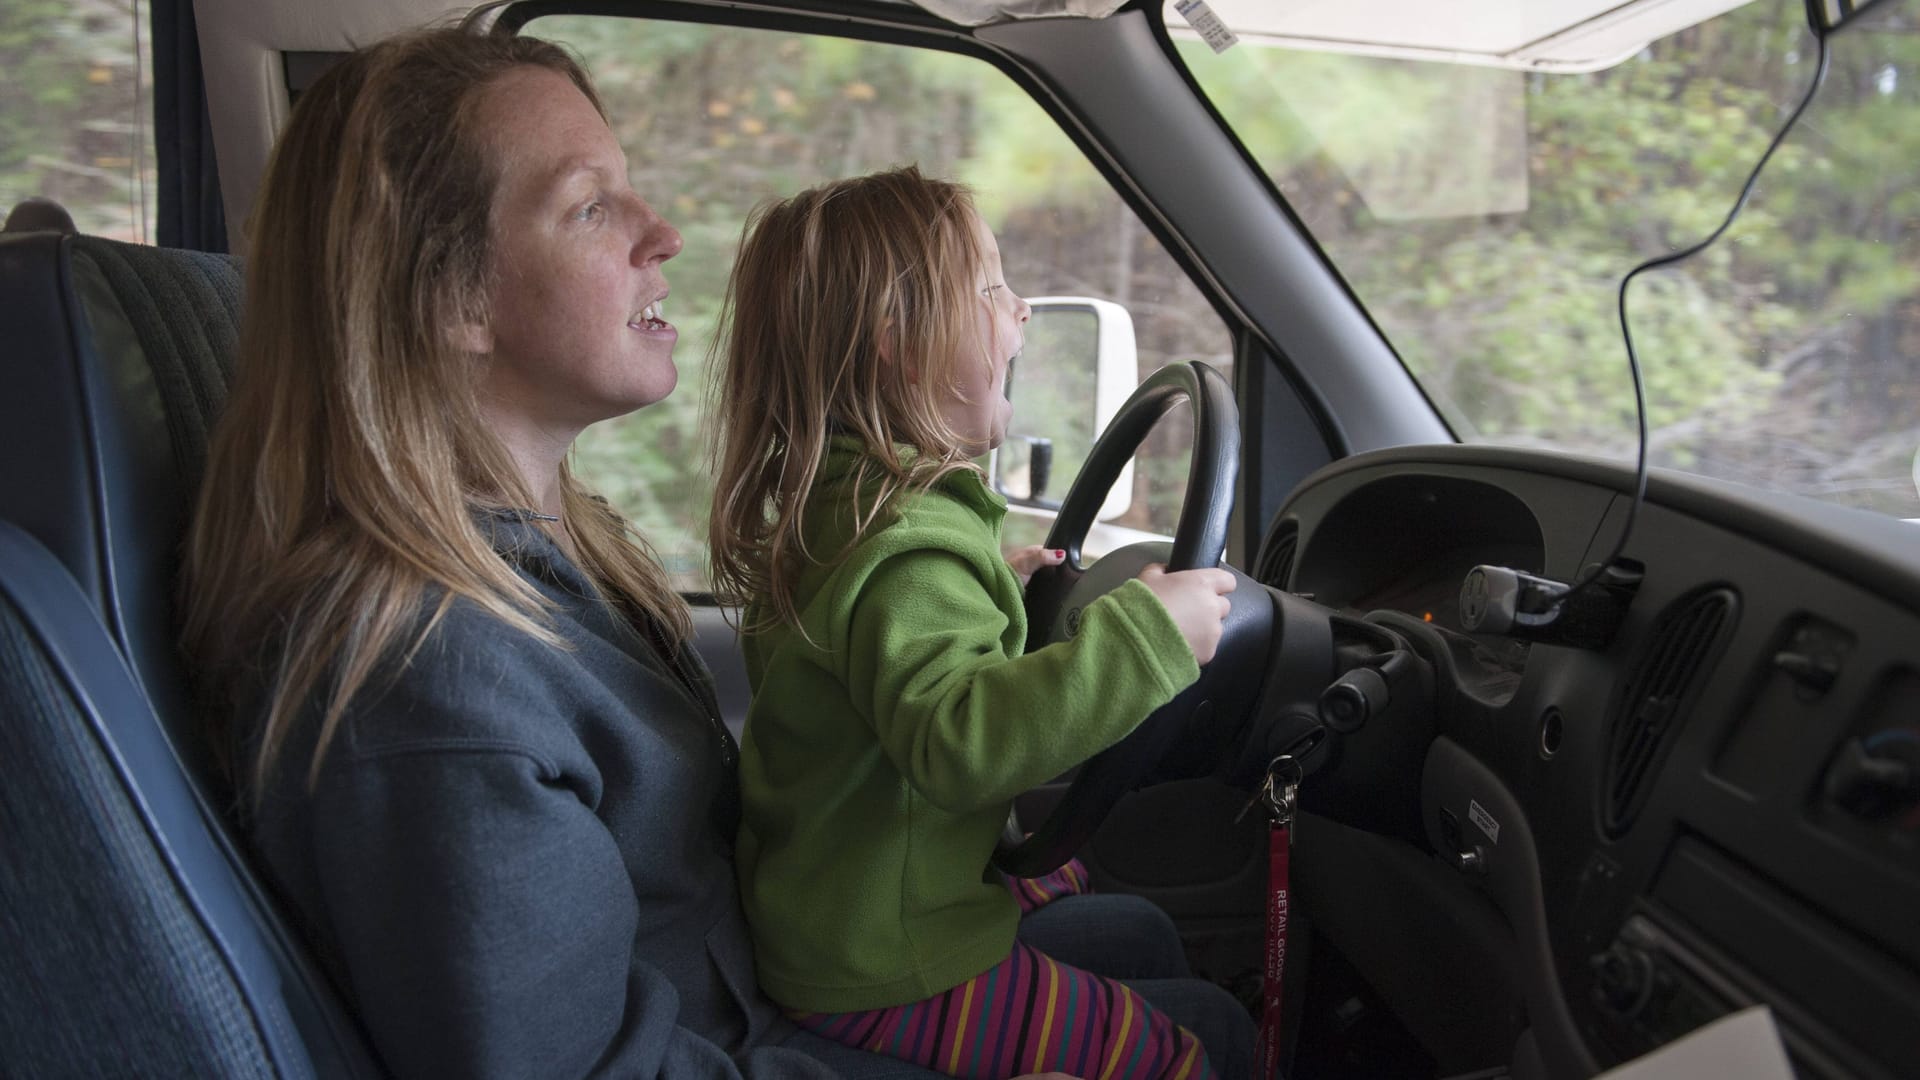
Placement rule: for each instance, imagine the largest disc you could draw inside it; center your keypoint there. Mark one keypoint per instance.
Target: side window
(76, 113)
(717, 119)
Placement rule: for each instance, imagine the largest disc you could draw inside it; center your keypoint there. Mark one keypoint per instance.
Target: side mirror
(1076, 370)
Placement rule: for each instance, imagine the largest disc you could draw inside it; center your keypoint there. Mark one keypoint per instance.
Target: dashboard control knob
(1471, 860)
(1814, 671)
(1353, 699)
(1876, 777)
(1623, 978)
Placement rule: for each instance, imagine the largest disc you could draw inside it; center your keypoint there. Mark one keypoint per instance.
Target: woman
(476, 752)
(477, 755)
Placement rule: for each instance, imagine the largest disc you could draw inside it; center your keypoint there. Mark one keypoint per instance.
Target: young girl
(894, 715)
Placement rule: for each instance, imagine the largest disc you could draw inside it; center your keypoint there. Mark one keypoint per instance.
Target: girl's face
(978, 410)
(575, 333)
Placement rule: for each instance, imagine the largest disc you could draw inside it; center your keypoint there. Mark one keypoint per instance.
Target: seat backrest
(115, 359)
(125, 950)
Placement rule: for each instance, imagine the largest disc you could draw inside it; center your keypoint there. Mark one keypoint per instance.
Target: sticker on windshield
(1212, 30)
(1483, 819)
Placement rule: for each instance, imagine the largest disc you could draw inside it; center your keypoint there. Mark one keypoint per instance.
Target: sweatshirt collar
(516, 535)
(969, 486)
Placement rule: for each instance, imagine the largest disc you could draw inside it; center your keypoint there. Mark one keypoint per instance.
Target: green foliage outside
(717, 120)
(1783, 357)
(1778, 358)
(76, 112)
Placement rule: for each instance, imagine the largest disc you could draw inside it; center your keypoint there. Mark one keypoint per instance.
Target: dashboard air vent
(1275, 564)
(1652, 710)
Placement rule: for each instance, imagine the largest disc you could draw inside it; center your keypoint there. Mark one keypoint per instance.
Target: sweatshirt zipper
(729, 750)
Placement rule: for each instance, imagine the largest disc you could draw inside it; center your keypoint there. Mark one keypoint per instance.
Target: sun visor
(985, 12)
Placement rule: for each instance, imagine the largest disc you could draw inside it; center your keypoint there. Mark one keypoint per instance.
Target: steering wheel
(1057, 595)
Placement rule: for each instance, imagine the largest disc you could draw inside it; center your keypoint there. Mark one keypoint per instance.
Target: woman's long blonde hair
(849, 309)
(342, 477)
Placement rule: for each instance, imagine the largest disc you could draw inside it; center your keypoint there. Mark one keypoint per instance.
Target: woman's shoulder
(461, 678)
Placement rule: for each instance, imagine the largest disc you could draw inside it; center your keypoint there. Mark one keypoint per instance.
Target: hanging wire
(1658, 261)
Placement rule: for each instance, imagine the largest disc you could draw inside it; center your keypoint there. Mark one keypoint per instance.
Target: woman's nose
(1023, 310)
(655, 239)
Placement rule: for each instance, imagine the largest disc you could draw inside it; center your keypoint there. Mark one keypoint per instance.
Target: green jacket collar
(969, 486)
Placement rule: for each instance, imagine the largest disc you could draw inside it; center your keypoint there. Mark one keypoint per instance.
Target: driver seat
(134, 935)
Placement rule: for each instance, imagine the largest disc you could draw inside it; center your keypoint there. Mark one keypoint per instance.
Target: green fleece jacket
(881, 757)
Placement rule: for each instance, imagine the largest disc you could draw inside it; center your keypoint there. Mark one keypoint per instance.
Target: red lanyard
(1278, 793)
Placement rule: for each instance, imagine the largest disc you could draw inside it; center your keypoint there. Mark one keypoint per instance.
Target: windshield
(1485, 217)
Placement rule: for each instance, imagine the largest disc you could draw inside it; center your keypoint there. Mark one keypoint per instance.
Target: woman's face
(574, 330)
(979, 412)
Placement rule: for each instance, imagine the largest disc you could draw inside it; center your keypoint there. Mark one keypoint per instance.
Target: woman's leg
(850, 1063)
(1130, 938)
(1214, 1016)
(1116, 935)
(1030, 1013)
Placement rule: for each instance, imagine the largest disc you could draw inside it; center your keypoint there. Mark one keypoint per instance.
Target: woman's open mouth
(649, 318)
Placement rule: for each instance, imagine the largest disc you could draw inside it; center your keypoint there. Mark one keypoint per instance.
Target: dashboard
(1596, 849)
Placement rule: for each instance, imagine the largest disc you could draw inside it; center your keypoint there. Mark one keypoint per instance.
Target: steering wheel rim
(1053, 601)
(1200, 537)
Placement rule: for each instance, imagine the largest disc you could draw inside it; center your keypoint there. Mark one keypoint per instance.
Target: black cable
(1626, 332)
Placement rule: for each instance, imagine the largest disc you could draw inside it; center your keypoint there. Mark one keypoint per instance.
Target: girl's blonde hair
(342, 477)
(849, 310)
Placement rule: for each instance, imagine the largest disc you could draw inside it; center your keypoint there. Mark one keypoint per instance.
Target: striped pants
(1027, 1014)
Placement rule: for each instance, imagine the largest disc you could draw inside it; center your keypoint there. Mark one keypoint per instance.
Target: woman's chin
(654, 383)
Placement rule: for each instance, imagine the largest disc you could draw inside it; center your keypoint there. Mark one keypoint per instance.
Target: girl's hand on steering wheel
(1197, 600)
(1032, 557)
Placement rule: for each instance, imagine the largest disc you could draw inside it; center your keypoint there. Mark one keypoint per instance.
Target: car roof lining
(988, 12)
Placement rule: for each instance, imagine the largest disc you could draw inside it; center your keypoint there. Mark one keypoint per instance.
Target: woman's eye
(988, 291)
(590, 212)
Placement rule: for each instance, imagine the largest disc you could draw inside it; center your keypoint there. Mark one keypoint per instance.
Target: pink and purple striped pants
(1027, 1014)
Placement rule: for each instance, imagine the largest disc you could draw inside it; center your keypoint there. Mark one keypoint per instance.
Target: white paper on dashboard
(1745, 1044)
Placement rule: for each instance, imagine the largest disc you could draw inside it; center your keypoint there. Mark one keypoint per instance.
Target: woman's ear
(472, 337)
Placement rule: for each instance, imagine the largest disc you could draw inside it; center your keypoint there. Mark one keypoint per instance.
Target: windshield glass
(1485, 217)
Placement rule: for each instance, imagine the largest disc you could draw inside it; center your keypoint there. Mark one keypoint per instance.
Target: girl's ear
(890, 352)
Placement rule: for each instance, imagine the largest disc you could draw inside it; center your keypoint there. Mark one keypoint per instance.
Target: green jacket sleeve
(968, 724)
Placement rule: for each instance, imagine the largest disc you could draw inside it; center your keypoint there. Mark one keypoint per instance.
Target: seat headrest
(36, 214)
